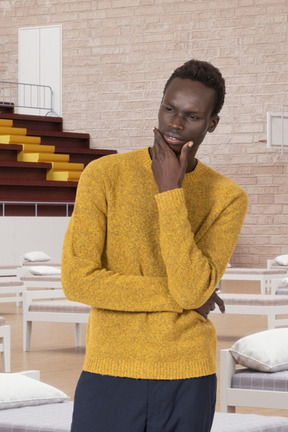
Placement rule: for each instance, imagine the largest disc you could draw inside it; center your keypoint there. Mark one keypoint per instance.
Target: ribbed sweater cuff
(171, 198)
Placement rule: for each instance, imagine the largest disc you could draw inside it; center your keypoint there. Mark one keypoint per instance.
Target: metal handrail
(25, 95)
(36, 204)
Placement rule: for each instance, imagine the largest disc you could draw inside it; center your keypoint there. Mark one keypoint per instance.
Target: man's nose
(176, 122)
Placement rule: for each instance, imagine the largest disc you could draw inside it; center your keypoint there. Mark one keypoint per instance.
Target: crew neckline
(192, 174)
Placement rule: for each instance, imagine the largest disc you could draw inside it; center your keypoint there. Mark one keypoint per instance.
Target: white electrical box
(277, 129)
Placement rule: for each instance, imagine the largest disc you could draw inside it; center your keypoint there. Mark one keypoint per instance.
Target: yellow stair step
(67, 166)
(42, 157)
(19, 139)
(7, 130)
(63, 175)
(6, 122)
(37, 148)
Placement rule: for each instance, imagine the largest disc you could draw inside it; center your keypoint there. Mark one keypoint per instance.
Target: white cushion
(282, 260)
(44, 270)
(18, 390)
(266, 351)
(285, 281)
(36, 256)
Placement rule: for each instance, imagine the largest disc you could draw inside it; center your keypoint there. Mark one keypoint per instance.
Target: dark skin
(185, 116)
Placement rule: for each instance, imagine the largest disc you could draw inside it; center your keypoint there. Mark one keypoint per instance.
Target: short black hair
(207, 74)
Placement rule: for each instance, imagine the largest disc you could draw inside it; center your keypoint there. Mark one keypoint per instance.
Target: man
(150, 237)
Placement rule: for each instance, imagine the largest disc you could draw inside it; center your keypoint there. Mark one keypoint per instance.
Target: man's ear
(214, 123)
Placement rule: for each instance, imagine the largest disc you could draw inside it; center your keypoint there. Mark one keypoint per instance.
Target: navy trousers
(111, 404)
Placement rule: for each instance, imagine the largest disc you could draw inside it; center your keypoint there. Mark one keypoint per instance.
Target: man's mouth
(171, 140)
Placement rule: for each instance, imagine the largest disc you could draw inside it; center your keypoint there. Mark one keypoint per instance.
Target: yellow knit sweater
(143, 260)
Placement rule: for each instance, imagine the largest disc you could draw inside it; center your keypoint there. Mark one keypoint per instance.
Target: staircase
(40, 163)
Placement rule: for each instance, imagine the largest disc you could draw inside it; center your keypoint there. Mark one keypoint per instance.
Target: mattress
(282, 291)
(225, 422)
(251, 379)
(60, 306)
(57, 418)
(42, 418)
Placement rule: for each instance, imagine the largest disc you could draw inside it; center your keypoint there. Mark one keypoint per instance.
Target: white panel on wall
(40, 63)
(24, 234)
(29, 50)
(277, 129)
(51, 63)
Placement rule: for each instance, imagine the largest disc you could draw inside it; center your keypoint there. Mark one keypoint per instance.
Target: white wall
(19, 235)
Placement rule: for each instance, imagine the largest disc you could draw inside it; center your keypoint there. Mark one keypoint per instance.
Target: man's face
(185, 113)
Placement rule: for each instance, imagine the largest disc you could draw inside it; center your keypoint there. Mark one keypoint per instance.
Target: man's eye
(168, 109)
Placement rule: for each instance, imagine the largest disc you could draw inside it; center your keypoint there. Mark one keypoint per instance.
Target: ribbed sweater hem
(156, 371)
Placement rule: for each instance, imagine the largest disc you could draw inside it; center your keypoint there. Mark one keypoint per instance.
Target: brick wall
(117, 55)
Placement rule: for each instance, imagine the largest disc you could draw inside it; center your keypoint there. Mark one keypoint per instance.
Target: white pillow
(18, 390)
(266, 351)
(44, 270)
(282, 260)
(36, 256)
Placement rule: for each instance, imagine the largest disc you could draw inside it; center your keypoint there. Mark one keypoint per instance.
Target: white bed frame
(270, 305)
(29, 316)
(38, 281)
(14, 280)
(41, 282)
(5, 347)
(230, 397)
(11, 288)
(271, 264)
(269, 278)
